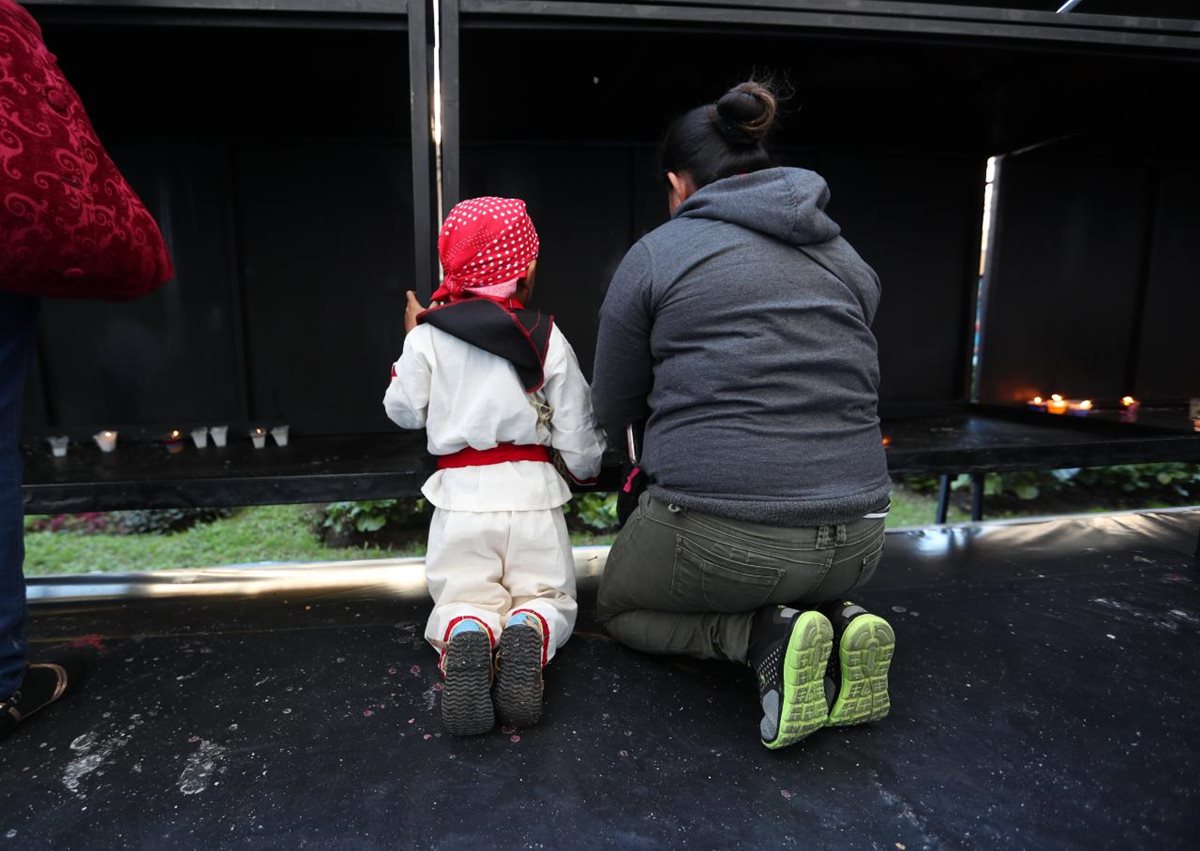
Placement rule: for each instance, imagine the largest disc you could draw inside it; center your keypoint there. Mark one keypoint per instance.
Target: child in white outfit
(496, 387)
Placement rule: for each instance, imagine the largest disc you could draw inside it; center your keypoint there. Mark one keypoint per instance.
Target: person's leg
(539, 572)
(679, 582)
(463, 566)
(18, 322)
(865, 643)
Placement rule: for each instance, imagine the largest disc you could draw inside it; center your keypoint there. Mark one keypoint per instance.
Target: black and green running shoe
(865, 644)
(467, 688)
(789, 650)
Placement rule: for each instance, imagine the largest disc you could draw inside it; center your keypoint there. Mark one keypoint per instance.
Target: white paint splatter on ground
(93, 751)
(201, 766)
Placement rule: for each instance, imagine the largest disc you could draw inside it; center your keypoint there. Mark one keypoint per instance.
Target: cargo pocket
(711, 578)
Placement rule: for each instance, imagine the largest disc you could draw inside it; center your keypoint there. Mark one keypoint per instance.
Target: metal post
(422, 149)
(977, 480)
(449, 52)
(943, 501)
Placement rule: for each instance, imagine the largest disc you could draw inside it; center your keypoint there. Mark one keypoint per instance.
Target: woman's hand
(412, 309)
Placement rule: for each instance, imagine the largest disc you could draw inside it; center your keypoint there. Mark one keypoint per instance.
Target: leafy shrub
(87, 523)
(1170, 481)
(592, 512)
(163, 521)
(369, 520)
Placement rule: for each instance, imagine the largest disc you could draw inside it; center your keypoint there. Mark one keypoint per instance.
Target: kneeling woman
(740, 332)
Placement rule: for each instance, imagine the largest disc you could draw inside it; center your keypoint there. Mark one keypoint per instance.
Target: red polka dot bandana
(485, 244)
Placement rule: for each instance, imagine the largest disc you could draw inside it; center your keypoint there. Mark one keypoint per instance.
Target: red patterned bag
(70, 225)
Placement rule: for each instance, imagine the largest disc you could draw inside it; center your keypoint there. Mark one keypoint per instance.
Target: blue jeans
(18, 330)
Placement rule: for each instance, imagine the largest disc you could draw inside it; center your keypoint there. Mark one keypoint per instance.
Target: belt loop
(841, 535)
(822, 537)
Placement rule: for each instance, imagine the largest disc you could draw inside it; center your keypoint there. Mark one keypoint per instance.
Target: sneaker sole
(519, 676)
(466, 691)
(865, 655)
(804, 710)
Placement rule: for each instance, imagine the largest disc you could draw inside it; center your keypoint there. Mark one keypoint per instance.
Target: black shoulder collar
(521, 337)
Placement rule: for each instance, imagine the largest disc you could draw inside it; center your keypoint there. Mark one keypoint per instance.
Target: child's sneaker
(519, 672)
(789, 650)
(466, 691)
(859, 669)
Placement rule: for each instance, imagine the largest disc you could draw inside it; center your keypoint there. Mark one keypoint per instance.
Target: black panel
(326, 253)
(580, 201)
(916, 220)
(1168, 366)
(1063, 291)
(171, 357)
(166, 81)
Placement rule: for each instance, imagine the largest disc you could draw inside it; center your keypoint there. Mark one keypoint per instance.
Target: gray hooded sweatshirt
(753, 364)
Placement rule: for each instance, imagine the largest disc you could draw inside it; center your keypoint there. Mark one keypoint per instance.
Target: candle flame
(1127, 401)
(887, 441)
(1055, 397)
(1037, 400)
(1085, 405)
(176, 434)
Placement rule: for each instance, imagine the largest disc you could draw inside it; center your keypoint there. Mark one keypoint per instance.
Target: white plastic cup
(106, 440)
(200, 437)
(219, 434)
(259, 437)
(280, 434)
(58, 446)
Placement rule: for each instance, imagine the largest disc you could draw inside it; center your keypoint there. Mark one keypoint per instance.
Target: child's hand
(411, 311)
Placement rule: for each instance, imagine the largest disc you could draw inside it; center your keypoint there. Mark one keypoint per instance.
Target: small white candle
(106, 440)
(58, 446)
(280, 433)
(200, 437)
(219, 434)
(259, 436)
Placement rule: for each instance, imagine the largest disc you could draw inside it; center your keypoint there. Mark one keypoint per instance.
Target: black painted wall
(278, 166)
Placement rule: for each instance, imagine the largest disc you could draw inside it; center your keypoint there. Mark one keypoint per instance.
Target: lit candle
(106, 440)
(280, 434)
(1037, 403)
(219, 434)
(1129, 409)
(200, 437)
(1057, 404)
(1080, 409)
(887, 441)
(259, 436)
(174, 442)
(58, 446)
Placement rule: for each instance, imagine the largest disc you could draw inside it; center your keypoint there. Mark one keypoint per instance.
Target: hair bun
(746, 113)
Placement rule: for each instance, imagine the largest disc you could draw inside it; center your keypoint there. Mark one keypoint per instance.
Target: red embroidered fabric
(70, 225)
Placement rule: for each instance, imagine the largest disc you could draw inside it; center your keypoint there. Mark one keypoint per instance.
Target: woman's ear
(682, 188)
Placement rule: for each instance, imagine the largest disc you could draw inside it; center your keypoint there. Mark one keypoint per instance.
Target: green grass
(281, 533)
(266, 533)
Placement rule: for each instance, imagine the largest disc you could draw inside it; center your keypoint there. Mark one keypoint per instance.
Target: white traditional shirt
(465, 397)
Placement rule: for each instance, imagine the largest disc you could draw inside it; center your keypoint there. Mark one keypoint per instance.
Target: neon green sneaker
(865, 644)
(789, 650)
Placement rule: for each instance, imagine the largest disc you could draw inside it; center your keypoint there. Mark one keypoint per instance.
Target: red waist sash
(496, 455)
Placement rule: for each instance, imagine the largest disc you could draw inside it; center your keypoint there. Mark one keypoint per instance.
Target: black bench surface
(141, 473)
(1044, 695)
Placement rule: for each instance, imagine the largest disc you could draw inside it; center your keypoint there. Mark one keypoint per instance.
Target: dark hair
(722, 139)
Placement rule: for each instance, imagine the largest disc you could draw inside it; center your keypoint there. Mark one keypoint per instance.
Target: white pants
(489, 565)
